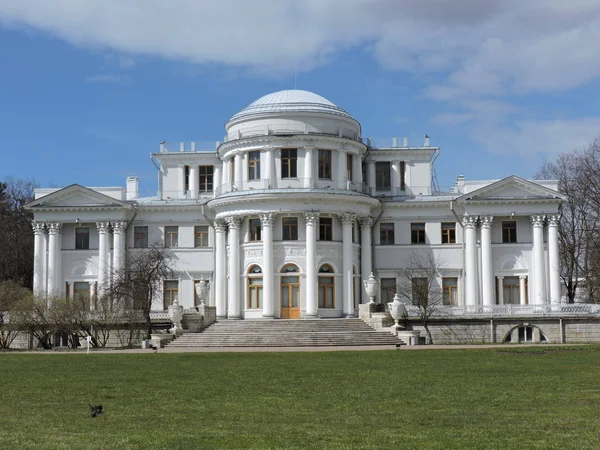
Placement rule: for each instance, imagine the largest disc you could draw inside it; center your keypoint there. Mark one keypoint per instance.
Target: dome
(291, 101)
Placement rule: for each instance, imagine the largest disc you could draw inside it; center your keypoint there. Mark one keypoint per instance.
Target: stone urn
(202, 288)
(175, 315)
(397, 310)
(371, 287)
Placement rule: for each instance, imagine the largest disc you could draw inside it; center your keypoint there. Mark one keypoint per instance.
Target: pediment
(76, 196)
(512, 189)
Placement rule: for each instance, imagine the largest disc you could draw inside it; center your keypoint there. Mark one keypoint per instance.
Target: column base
(234, 317)
(350, 316)
(221, 317)
(311, 316)
(268, 316)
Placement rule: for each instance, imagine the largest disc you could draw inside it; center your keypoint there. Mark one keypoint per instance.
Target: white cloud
(452, 119)
(107, 78)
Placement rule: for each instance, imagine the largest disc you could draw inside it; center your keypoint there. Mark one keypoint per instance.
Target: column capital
(119, 227)
(469, 221)
(347, 219)
(522, 277)
(103, 227)
(309, 147)
(38, 227)
(500, 277)
(366, 222)
(267, 219)
(311, 218)
(537, 221)
(220, 225)
(553, 220)
(486, 221)
(234, 222)
(54, 227)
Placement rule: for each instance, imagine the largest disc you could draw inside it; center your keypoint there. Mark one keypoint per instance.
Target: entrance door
(290, 297)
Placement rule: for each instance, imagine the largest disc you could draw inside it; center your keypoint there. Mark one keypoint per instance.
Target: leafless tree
(35, 319)
(140, 281)
(11, 295)
(421, 286)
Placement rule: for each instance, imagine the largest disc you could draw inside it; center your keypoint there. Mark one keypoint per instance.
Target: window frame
(389, 233)
(289, 163)
(350, 166)
(257, 288)
(383, 176)
(510, 237)
(417, 233)
(254, 230)
(414, 282)
(171, 236)
(325, 229)
(385, 290)
(448, 289)
(201, 231)
(291, 227)
(169, 293)
(327, 299)
(206, 178)
(82, 241)
(448, 232)
(143, 237)
(254, 165)
(324, 167)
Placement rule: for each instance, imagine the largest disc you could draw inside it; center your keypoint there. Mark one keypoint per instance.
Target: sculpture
(202, 289)
(371, 287)
(397, 310)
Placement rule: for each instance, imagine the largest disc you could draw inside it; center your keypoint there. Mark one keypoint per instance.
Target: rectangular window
(206, 178)
(170, 293)
(290, 228)
(186, 174)
(140, 237)
(325, 164)
(325, 229)
(255, 230)
(382, 176)
(349, 167)
(450, 291)
(289, 162)
(82, 238)
(402, 175)
(510, 286)
(388, 290)
(509, 231)
(386, 234)
(81, 290)
(171, 236)
(254, 166)
(201, 236)
(448, 233)
(420, 291)
(417, 233)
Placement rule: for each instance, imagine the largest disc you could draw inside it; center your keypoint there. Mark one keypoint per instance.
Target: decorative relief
(267, 219)
(311, 218)
(511, 261)
(537, 221)
(38, 227)
(469, 221)
(486, 221)
(103, 227)
(220, 225)
(253, 253)
(290, 252)
(119, 227)
(234, 221)
(553, 220)
(54, 227)
(365, 222)
(347, 219)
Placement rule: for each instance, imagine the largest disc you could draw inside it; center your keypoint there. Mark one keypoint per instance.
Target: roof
(293, 100)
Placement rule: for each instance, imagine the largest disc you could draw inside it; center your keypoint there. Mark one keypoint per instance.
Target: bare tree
(421, 286)
(35, 319)
(140, 281)
(11, 295)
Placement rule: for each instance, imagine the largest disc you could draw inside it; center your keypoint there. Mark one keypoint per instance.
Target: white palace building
(293, 211)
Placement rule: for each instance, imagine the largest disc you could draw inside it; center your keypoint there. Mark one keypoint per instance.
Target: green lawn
(540, 398)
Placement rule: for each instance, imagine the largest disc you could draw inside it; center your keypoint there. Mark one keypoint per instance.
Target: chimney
(426, 141)
(404, 142)
(132, 188)
(395, 142)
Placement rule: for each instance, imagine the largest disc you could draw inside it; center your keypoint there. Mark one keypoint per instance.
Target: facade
(293, 210)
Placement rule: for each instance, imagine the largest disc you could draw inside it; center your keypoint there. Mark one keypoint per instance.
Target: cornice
(262, 141)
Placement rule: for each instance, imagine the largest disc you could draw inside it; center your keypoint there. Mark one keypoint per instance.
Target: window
(255, 288)
(420, 291)
(206, 178)
(170, 293)
(388, 290)
(171, 236)
(255, 230)
(326, 287)
(382, 176)
(417, 233)
(448, 233)
(510, 294)
(402, 175)
(386, 234)
(509, 231)
(289, 161)
(325, 229)
(81, 290)
(290, 292)
(82, 238)
(450, 290)
(201, 236)
(140, 237)
(349, 167)
(254, 166)
(290, 228)
(325, 164)
(186, 174)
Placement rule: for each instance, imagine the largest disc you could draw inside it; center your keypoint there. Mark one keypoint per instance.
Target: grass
(548, 397)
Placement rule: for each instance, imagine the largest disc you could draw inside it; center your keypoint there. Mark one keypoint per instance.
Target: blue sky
(89, 89)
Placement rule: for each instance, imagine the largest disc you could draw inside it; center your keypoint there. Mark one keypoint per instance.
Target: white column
(233, 294)
(217, 179)
(347, 221)
(523, 289)
(181, 184)
(54, 258)
(366, 262)
(119, 236)
(239, 172)
(92, 295)
(342, 175)
(537, 223)
(39, 255)
(471, 291)
(487, 268)
(501, 290)
(309, 175)
(312, 298)
(357, 165)
(266, 160)
(267, 221)
(554, 263)
(102, 256)
(70, 289)
(194, 182)
(220, 269)
(395, 177)
(371, 176)
(226, 172)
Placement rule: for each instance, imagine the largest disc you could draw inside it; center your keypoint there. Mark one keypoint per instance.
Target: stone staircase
(286, 333)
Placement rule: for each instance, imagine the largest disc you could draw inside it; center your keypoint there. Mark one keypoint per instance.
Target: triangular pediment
(76, 196)
(512, 188)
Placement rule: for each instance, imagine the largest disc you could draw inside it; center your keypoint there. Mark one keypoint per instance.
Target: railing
(551, 310)
(290, 183)
(292, 129)
(193, 146)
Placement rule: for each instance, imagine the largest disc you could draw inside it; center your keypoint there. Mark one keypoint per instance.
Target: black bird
(154, 348)
(96, 410)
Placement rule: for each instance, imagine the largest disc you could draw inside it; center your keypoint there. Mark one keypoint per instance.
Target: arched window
(290, 292)
(255, 288)
(326, 287)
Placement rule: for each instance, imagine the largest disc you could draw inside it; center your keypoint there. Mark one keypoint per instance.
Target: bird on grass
(154, 348)
(96, 411)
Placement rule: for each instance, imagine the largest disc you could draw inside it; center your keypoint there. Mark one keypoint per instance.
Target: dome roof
(292, 100)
